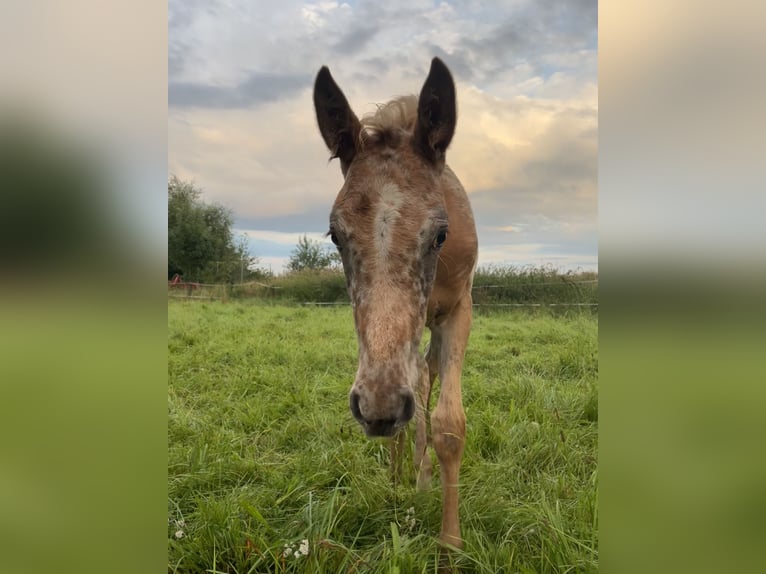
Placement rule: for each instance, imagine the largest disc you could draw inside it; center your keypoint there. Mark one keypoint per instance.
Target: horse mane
(390, 121)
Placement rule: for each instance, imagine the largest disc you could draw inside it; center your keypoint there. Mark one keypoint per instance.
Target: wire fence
(330, 291)
(346, 303)
(541, 283)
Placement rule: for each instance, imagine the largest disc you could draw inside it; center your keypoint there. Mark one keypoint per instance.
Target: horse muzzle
(385, 417)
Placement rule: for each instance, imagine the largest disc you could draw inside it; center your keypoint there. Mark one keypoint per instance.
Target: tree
(311, 254)
(201, 246)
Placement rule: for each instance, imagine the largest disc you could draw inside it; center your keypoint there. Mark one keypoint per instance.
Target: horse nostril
(409, 407)
(383, 420)
(354, 404)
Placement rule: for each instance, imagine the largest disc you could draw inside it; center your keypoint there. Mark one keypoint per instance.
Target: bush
(543, 285)
(491, 286)
(321, 286)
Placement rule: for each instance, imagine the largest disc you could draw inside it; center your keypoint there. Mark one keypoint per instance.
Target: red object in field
(177, 281)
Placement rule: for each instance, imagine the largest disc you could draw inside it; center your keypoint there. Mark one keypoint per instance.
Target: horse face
(389, 222)
(389, 230)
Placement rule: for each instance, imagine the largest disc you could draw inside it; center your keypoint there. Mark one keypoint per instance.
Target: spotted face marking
(386, 217)
(390, 222)
(386, 221)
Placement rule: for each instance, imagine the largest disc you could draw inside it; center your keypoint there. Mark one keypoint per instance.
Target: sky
(242, 127)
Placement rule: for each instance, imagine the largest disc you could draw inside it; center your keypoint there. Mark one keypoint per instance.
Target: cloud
(522, 159)
(536, 255)
(257, 88)
(281, 238)
(182, 20)
(241, 120)
(355, 39)
(265, 162)
(531, 32)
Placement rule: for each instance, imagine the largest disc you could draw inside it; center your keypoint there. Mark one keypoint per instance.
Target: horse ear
(437, 114)
(337, 123)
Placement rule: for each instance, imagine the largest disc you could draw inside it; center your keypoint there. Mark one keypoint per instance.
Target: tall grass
(529, 284)
(492, 286)
(264, 454)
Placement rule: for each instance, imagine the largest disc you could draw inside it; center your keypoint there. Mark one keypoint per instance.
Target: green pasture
(268, 471)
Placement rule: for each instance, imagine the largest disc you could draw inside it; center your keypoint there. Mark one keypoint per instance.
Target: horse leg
(448, 418)
(427, 376)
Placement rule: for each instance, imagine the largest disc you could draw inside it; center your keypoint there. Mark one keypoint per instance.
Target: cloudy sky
(241, 121)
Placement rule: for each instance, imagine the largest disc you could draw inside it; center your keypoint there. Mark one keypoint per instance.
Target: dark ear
(437, 114)
(337, 123)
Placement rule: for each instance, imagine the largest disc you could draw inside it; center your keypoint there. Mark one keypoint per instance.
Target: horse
(403, 226)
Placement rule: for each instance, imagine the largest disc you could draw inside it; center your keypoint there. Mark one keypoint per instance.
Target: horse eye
(441, 237)
(333, 237)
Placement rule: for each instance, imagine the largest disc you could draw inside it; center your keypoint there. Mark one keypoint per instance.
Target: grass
(492, 286)
(264, 453)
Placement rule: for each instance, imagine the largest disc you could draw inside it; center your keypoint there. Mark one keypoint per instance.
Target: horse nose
(354, 404)
(383, 421)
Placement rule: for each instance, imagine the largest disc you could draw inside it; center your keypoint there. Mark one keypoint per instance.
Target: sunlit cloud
(241, 121)
(281, 238)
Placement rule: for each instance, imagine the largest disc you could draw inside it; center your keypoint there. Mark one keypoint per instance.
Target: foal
(404, 229)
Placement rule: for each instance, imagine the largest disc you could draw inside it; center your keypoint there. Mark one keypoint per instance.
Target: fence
(564, 292)
(329, 289)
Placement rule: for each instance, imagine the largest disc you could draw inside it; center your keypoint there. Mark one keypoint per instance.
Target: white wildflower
(288, 551)
(409, 517)
(181, 523)
(304, 547)
(179, 533)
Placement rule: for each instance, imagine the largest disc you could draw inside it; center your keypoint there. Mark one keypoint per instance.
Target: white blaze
(386, 216)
